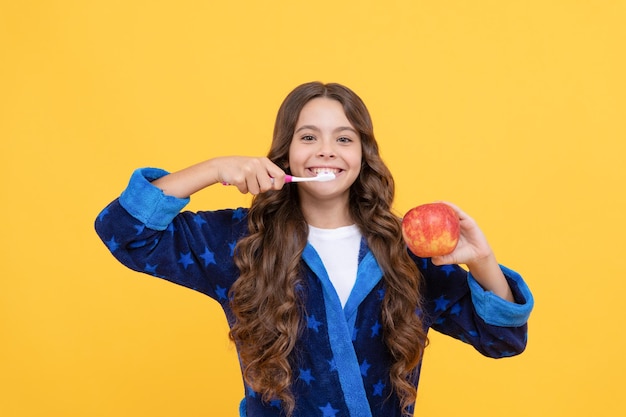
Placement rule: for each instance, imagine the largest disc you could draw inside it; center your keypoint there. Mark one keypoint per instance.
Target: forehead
(323, 111)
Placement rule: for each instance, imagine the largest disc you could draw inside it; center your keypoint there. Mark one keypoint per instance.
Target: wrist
(486, 262)
(487, 272)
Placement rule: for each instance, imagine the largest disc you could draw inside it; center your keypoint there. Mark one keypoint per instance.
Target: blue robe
(342, 365)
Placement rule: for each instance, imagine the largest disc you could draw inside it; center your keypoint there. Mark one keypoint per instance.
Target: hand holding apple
(431, 230)
(448, 235)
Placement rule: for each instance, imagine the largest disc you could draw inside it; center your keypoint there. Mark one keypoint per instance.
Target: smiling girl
(328, 309)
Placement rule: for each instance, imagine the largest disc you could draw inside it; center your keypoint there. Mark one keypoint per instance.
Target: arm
(474, 251)
(456, 305)
(248, 174)
(487, 308)
(146, 231)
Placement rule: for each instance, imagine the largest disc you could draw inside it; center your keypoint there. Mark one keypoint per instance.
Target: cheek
(356, 168)
(296, 157)
(357, 160)
(291, 156)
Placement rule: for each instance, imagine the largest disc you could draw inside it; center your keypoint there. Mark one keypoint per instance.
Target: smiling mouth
(318, 171)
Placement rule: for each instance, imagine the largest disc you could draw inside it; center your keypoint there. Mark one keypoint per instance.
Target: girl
(328, 309)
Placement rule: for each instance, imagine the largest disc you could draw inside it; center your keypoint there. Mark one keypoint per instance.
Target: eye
(344, 139)
(308, 138)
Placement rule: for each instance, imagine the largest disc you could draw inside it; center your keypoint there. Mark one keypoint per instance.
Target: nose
(326, 149)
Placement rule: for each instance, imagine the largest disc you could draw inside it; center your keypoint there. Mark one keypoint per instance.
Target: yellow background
(514, 110)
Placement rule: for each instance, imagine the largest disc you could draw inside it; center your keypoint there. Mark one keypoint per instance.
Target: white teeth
(319, 171)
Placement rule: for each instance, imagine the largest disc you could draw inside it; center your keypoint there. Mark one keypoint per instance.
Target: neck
(327, 214)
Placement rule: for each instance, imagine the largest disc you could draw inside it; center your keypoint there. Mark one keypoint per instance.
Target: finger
(278, 180)
(265, 183)
(456, 209)
(277, 175)
(243, 188)
(252, 184)
(442, 260)
(436, 260)
(241, 185)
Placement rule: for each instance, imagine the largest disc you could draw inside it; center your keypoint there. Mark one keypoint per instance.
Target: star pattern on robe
(208, 256)
(199, 221)
(471, 333)
(332, 365)
(365, 366)
(103, 214)
(275, 404)
(305, 375)
(448, 269)
(312, 323)
(238, 214)
(328, 410)
(441, 303)
(376, 329)
(151, 269)
(232, 245)
(220, 292)
(378, 388)
(112, 244)
(456, 309)
(185, 259)
(171, 228)
(139, 228)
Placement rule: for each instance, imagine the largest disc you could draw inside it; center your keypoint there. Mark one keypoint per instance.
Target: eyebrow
(339, 129)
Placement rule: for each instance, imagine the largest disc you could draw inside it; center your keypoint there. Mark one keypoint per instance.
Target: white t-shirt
(339, 251)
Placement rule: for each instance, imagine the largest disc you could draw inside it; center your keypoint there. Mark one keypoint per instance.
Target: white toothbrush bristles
(325, 176)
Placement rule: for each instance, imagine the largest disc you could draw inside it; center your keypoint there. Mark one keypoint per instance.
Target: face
(325, 141)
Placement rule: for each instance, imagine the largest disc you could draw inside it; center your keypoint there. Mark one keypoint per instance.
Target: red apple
(431, 230)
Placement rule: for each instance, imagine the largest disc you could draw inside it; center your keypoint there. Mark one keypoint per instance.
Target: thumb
(442, 260)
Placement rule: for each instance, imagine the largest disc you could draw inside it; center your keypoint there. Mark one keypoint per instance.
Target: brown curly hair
(268, 311)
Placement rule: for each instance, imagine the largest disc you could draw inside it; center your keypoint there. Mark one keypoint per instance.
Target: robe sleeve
(146, 231)
(456, 305)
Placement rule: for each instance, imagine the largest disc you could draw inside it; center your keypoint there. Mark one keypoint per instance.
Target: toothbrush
(321, 177)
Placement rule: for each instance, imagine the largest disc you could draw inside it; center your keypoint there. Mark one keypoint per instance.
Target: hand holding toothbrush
(252, 175)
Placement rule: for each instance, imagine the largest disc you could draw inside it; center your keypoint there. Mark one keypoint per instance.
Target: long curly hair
(267, 308)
